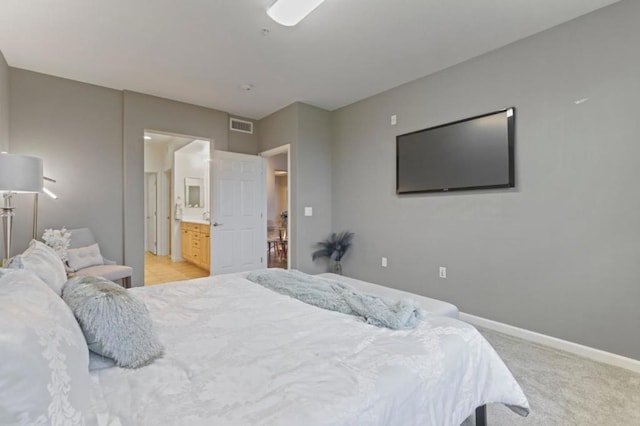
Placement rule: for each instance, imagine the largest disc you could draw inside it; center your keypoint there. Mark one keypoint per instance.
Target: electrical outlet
(443, 272)
(384, 262)
(394, 120)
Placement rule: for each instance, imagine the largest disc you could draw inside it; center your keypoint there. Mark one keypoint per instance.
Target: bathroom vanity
(196, 243)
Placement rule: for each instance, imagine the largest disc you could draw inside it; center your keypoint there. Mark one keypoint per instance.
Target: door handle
(217, 224)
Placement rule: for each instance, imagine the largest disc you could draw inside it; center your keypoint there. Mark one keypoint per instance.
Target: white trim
(284, 149)
(553, 342)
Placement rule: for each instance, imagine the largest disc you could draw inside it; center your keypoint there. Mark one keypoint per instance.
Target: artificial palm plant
(334, 248)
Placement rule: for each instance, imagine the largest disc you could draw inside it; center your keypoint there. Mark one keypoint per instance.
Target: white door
(239, 225)
(152, 212)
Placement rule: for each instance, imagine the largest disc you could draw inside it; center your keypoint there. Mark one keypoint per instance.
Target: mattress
(240, 354)
(430, 305)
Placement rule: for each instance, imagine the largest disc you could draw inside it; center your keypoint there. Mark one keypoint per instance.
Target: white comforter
(239, 354)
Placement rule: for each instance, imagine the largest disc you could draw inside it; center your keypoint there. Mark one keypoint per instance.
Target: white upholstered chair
(82, 237)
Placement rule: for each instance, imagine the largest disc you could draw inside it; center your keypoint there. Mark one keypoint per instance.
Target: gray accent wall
(76, 128)
(91, 141)
(558, 254)
(308, 130)
(4, 104)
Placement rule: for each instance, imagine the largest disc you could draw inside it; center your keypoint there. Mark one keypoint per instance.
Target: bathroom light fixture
(290, 12)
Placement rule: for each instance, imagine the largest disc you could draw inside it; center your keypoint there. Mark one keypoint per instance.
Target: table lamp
(18, 174)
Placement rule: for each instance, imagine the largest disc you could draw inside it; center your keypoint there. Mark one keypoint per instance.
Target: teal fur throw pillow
(115, 323)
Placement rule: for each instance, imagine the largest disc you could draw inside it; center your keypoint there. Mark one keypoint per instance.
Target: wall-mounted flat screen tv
(474, 153)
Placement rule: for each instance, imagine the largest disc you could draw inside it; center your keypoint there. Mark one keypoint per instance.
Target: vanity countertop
(200, 221)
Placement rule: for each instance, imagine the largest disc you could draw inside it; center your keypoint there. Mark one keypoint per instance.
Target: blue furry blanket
(337, 296)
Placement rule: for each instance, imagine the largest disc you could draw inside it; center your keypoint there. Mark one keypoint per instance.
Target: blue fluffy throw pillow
(115, 323)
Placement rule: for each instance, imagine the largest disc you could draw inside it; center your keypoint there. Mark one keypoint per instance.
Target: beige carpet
(564, 389)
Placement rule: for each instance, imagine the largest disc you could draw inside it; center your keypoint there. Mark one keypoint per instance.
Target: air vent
(241, 125)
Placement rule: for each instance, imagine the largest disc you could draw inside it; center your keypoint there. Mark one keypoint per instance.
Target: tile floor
(160, 269)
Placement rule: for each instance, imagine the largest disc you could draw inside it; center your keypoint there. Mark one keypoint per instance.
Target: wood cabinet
(196, 244)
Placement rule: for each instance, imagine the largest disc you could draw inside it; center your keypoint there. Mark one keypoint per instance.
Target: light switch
(384, 262)
(308, 211)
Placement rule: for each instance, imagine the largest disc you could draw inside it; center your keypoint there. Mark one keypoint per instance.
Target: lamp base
(7, 221)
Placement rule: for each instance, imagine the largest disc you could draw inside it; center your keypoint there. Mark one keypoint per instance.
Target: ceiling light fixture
(290, 12)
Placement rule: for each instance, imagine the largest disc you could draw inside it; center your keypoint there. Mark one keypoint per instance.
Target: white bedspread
(239, 354)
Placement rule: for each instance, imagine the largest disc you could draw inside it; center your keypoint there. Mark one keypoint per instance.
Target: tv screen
(474, 153)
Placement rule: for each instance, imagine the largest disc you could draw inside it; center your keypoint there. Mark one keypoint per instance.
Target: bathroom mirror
(193, 193)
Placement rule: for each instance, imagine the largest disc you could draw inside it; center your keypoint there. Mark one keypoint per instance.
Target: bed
(237, 353)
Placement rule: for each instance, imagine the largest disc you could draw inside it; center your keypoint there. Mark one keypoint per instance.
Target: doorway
(164, 209)
(278, 192)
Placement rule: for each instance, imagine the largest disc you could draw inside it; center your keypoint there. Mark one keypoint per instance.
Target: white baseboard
(553, 342)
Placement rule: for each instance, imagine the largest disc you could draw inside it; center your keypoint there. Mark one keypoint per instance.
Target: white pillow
(83, 257)
(44, 358)
(42, 260)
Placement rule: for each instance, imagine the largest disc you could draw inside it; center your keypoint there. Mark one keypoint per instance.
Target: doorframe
(146, 204)
(166, 210)
(283, 149)
(175, 224)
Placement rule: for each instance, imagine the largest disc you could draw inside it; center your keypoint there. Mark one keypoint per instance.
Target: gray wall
(314, 183)
(152, 113)
(91, 141)
(77, 130)
(244, 143)
(557, 255)
(4, 104)
(308, 130)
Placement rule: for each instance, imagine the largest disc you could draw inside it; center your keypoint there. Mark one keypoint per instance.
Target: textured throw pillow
(44, 376)
(115, 323)
(42, 260)
(84, 257)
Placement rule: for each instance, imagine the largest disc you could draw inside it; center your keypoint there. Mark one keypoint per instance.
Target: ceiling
(203, 51)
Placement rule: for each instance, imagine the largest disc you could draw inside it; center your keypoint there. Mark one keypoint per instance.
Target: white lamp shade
(20, 173)
(290, 12)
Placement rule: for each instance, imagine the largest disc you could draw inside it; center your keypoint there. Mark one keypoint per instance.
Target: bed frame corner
(481, 415)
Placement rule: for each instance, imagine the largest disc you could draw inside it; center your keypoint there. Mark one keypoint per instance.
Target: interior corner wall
(277, 129)
(308, 130)
(559, 253)
(144, 112)
(76, 128)
(4, 104)
(314, 184)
